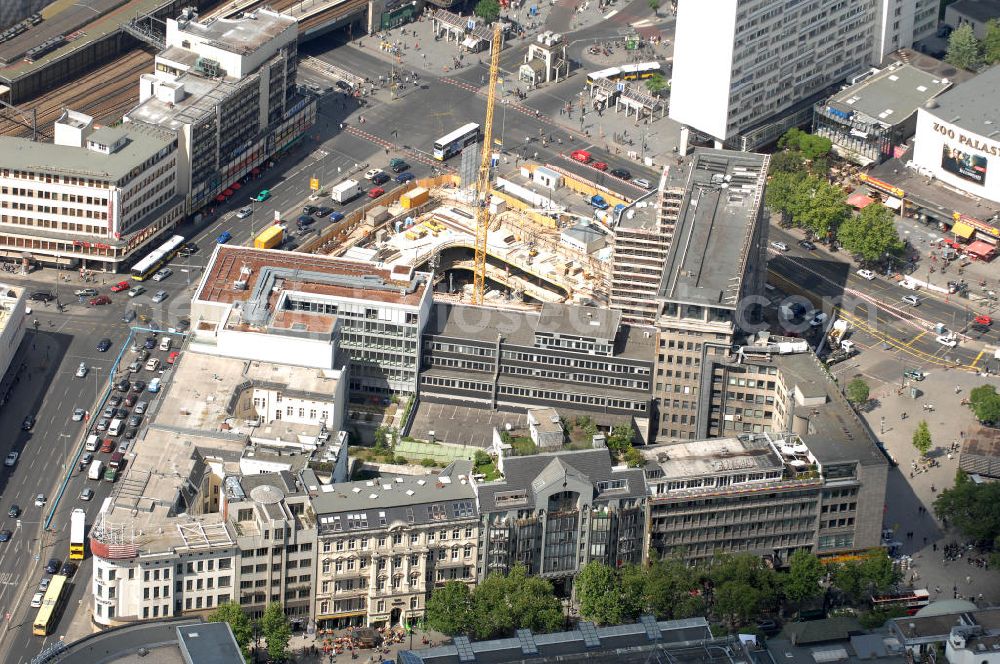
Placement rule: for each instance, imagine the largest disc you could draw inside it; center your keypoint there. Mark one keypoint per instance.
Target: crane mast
(482, 191)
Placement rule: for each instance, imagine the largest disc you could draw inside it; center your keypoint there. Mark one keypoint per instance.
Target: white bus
(152, 262)
(453, 143)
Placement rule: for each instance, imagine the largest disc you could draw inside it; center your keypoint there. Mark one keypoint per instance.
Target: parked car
(81, 370)
(103, 345)
(159, 296)
(148, 344)
(172, 357)
(336, 216)
(381, 178)
(140, 407)
(68, 569)
(309, 209)
(621, 173)
(136, 291)
(120, 286)
(322, 212)
(42, 296)
(139, 386)
(398, 166)
(130, 400)
(807, 245)
(947, 340)
(375, 192)
(372, 172)
(642, 182)
(123, 385)
(134, 367)
(99, 300)
(915, 374)
(983, 319)
(598, 202)
(403, 178)
(162, 274)
(128, 316)
(115, 400)
(85, 292)
(818, 320)
(581, 156)
(28, 423)
(304, 221)
(11, 459)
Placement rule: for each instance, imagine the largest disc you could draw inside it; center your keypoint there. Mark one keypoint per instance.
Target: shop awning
(893, 203)
(859, 200)
(235, 186)
(963, 230)
(470, 43)
(981, 249)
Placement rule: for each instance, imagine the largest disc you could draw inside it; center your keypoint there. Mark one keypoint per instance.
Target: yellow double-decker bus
(52, 606)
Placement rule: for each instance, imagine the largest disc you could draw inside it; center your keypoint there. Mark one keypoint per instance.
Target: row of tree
(734, 589)
(273, 627)
(967, 52)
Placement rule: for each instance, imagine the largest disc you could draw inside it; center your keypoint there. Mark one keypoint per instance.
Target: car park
(375, 192)
(40, 500)
(136, 291)
(780, 246)
(103, 345)
(911, 300)
(85, 292)
(81, 370)
(120, 286)
(381, 178)
(807, 245)
(159, 296)
(79, 414)
(5, 535)
(11, 459)
(224, 237)
(99, 300)
(162, 274)
(87, 494)
(403, 178)
(621, 173)
(372, 172)
(244, 212)
(28, 423)
(642, 182)
(866, 274)
(262, 196)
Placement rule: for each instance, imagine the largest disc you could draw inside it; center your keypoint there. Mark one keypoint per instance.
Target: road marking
(610, 14)
(978, 357)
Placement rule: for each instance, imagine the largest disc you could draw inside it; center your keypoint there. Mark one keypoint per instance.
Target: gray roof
(979, 11)
(973, 105)
(719, 212)
(208, 643)
(534, 472)
(241, 35)
(23, 154)
(583, 232)
(579, 320)
(449, 488)
(890, 96)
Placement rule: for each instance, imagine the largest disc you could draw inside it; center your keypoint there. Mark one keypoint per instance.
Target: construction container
(414, 197)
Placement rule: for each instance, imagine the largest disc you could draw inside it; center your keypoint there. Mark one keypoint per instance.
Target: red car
(172, 357)
(120, 286)
(983, 319)
(600, 165)
(581, 155)
(375, 192)
(100, 299)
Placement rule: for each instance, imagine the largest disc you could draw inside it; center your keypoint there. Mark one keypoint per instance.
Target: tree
(985, 403)
(673, 590)
(804, 574)
(503, 603)
(657, 83)
(971, 508)
(744, 570)
(239, 622)
(276, 630)
(857, 391)
(819, 206)
(633, 458)
(449, 607)
(620, 438)
(786, 162)
(654, 5)
(991, 42)
(604, 596)
(922, 438)
(782, 192)
(737, 602)
(811, 146)
(963, 48)
(871, 233)
(488, 10)
(859, 579)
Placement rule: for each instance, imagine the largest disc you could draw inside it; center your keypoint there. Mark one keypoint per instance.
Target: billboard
(966, 165)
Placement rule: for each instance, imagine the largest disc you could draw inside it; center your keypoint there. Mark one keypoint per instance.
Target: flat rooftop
(715, 456)
(210, 384)
(719, 212)
(23, 154)
(202, 96)
(306, 273)
(977, 10)
(974, 105)
(982, 441)
(578, 320)
(239, 35)
(890, 96)
(9, 295)
(932, 196)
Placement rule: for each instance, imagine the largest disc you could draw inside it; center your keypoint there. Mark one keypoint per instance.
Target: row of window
(48, 178)
(54, 196)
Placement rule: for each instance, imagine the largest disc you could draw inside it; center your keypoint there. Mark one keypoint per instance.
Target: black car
(5, 535)
(183, 325)
(191, 247)
(53, 565)
(115, 401)
(68, 569)
(621, 173)
(149, 343)
(131, 433)
(14, 511)
(399, 166)
(103, 345)
(343, 85)
(322, 212)
(304, 221)
(380, 178)
(121, 413)
(134, 420)
(308, 209)
(42, 296)
(807, 245)
(123, 385)
(138, 386)
(979, 327)
(28, 423)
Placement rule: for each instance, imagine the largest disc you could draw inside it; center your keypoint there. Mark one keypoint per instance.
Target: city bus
(156, 258)
(910, 601)
(52, 606)
(633, 72)
(453, 143)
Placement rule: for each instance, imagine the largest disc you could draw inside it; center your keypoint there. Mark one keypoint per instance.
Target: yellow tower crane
(482, 192)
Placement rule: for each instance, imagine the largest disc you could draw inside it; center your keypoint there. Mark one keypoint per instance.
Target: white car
(818, 319)
(36, 601)
(43, 585)
(162, 274)
(11, 459)
(136, 291)
(911, 300)
(160, 296)
(81, 370)
(40, 500)
(866, 274)
(78, 414)
(780, 246)
(947, 340)
(244, 212)
(642, 182)
(87, 494)
(372, 172)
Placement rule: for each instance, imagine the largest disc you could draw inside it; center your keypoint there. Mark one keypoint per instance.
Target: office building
(315, 311)
(91, 199)
(977, 13)
(716, 261)
(385, 544)
(554, 513)
(579, 360)
(13, 323)
(226, 89)
(747, 70)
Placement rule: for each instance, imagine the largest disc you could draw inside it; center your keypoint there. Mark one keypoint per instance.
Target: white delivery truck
(346, 191)
(95, 470)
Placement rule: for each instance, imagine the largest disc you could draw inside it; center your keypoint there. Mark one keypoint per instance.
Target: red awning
(981, 249)
(235, 186)
(220, 198)
(227, 192)
(859, 200)
(255, 171)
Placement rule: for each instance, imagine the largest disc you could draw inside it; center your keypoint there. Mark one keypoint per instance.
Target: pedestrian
(968, 579)
(934, 545)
